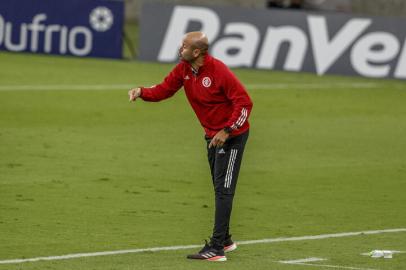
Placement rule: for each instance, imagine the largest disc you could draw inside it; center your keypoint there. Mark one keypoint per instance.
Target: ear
(196, 52)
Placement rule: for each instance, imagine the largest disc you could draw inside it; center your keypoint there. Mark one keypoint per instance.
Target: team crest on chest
(206, 82)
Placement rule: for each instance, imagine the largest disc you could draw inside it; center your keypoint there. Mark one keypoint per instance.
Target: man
(222, 106)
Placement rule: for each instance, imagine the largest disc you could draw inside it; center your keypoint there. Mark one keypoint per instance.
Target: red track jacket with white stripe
(216, 95)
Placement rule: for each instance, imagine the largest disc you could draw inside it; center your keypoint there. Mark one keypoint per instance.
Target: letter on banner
(87, 35)
(1, 29)
(8, 40)
(326, 52)
(181, 17)
(400, 71)
(53, 28)
(363, 56)
(246, 45)
(35, 27)
(275, 36)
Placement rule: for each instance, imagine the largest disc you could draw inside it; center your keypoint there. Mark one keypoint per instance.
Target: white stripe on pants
(230, 168)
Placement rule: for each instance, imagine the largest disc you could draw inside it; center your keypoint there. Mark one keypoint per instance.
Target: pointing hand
(134, 93)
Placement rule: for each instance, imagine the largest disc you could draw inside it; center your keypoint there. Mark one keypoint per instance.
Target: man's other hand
(134, 93)
(219, 139)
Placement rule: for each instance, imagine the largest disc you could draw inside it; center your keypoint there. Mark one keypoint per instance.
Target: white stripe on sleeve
(240, 121)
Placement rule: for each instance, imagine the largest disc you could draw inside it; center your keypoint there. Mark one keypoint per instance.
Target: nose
(180, 51)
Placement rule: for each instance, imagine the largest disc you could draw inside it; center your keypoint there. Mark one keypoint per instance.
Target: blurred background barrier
(321, 43)
(367, 7)
(74, 27)
(110, 28)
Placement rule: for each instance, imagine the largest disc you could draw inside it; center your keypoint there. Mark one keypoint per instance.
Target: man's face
(186, 51)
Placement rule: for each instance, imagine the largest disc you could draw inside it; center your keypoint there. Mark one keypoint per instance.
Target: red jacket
(216, 95)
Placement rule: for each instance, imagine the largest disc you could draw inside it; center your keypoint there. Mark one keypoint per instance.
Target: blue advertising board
(70, 27)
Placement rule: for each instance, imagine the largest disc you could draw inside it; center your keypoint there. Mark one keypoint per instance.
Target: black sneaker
(208, 253)
(229, 245)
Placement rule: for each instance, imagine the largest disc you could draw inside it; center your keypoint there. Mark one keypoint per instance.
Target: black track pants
(225, 164)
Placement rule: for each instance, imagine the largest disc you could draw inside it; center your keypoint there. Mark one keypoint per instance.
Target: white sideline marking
(321, 236)
(307, 260)
(129, 86)
(310, 85)
(67, 87)
(249, 242)
(334, 266)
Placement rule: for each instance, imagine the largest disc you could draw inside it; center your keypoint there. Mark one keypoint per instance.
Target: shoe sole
(230, 247)
(217, 259)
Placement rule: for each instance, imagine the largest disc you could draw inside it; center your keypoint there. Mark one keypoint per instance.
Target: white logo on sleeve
(206, 82)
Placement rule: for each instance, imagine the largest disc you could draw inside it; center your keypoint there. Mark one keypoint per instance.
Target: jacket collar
(207, 59)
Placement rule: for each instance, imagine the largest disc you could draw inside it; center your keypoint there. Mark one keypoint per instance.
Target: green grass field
(83, 170)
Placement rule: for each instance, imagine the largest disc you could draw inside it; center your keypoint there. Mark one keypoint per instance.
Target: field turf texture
(86, 171)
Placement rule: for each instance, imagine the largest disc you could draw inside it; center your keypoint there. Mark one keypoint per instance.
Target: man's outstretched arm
(171, 84)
